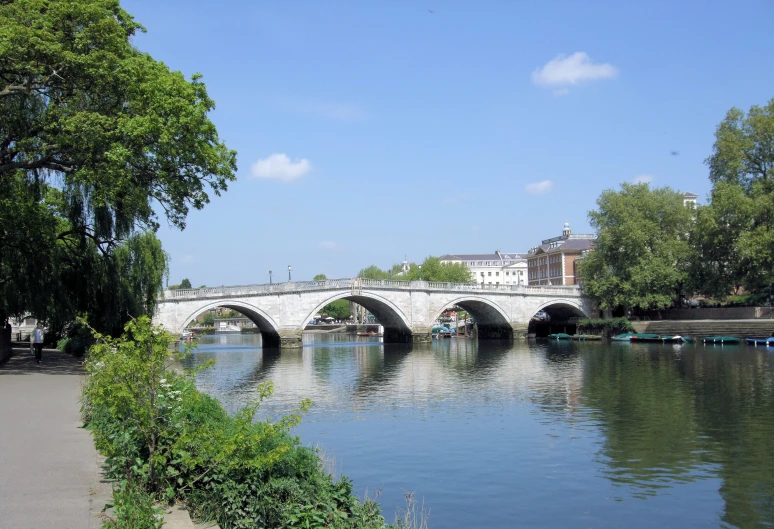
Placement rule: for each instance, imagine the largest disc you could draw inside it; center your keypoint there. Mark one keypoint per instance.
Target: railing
(360, 283)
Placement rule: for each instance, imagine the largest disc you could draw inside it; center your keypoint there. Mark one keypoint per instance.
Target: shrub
(159, 432)
(606, 326)
(77, 340)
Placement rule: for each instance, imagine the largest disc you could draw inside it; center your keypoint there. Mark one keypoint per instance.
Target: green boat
(585, 337)
(559, 336)
(627, 336)
(722, 339)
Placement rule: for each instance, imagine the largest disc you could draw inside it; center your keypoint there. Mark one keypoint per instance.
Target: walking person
(37, 342)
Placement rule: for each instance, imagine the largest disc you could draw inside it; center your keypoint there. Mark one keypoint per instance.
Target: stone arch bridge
(406, 309)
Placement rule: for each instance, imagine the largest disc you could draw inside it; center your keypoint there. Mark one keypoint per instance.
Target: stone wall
(5, 343)
(722, 313)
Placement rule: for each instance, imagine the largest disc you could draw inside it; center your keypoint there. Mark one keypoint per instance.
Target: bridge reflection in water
(552, 434)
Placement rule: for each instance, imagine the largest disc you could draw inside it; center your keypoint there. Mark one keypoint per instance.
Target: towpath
(49, 469)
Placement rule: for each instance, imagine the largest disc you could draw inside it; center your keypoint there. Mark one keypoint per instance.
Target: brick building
(554, 261)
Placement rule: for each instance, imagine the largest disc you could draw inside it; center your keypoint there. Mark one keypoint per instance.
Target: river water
(527, 434)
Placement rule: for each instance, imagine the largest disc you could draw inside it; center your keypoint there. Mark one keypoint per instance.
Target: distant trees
(320, 277)
(432, 270)
(338, 310)
(185, 283)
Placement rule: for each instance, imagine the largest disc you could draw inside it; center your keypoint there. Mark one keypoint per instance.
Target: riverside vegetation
(165, 441)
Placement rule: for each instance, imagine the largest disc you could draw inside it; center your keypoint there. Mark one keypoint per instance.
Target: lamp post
(270, 277)
(420, 272)
(289, 270)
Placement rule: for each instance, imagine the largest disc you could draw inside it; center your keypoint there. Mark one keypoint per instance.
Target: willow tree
(95, 136)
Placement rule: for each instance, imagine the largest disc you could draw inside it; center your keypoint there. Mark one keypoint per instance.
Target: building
(554, 261)
(689, 199)
(493, 268)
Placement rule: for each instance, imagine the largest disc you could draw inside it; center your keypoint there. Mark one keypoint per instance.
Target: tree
(432, 270)
(741, 165)
(185, 283)
(338, 309)
(718, 266)
(373, 272)
(94, 135)
(641, 254)
(319, 277)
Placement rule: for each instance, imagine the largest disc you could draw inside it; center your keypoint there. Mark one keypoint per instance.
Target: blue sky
(370, 130)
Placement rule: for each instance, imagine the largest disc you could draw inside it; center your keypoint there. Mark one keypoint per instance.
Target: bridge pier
(290, 340)
(520, 330)
(495, 332)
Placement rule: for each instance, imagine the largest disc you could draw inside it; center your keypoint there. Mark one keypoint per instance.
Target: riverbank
(755, 328)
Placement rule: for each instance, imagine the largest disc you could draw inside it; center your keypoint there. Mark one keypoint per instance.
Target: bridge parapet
(357, 284)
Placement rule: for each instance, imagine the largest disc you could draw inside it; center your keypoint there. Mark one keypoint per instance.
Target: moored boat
(585, 337)
(722, 339)
(658, 338)
(559, 336)
(761, 341)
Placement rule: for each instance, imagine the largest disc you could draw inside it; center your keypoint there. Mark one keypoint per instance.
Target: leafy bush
(607, 326)
(77, 340)
(133, 508)
(160, 433)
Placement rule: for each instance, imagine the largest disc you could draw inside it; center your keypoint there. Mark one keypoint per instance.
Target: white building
(493, 268)
(689, 199)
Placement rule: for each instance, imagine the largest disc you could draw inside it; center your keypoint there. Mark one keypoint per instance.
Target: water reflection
(553, 434)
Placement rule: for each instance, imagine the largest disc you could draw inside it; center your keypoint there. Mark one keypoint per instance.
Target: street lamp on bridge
(420, 272)
(270, 277)
(289, 269)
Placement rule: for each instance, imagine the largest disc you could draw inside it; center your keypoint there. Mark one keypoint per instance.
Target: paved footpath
(49, 468)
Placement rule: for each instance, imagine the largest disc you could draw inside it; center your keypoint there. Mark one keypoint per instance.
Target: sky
(370, 131)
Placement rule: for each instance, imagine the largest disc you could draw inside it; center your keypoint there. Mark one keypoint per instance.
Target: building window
(490, 274)
(482, 274)
(497, 274)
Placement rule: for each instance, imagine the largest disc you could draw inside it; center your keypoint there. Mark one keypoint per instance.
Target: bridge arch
(265, 323)
(564, 307)
(491, 320)
(397, 327)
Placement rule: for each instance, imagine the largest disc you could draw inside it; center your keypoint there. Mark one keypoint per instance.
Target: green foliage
(740, 218)
(743, 152)
(159, 433)
(373, 272)
(209, 319)
(432, 270)
(338, 309)
(94, 133)
(78, 339)
(185, 283)
(607, 326)
(133, 508)
(642, 253)
(320, 277)
(718, 266)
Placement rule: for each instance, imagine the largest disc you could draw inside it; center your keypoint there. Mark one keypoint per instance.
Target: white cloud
(279, 167)
(187, 259)
(576, 68)
(642, 179)
(538, 188)
(329, 245)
